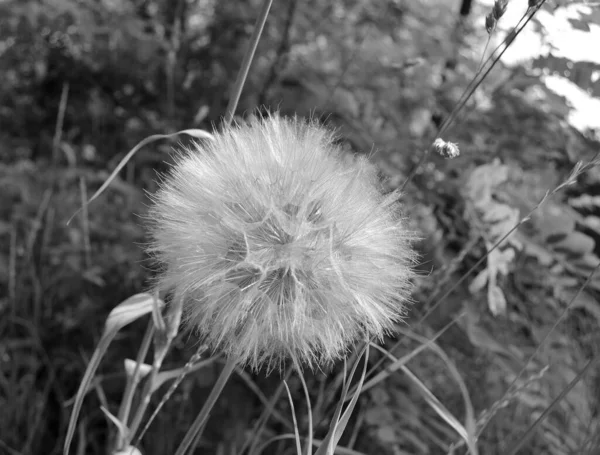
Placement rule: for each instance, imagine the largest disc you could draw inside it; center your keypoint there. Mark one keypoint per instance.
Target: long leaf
(200, 134)
(124, 313)
(339, 421)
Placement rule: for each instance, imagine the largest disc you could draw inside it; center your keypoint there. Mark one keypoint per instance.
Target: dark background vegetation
(382, 73)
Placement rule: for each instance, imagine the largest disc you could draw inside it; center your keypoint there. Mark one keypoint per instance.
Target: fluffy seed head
(279, 246)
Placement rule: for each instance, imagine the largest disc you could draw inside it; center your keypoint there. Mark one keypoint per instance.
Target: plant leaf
(130, 366)
(124, 313)
(200, 134)
(338, 424)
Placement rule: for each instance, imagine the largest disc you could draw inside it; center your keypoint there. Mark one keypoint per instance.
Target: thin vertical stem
(243, 73)
(164, 333)
(282, 51)
(194, 431)
(85, 225)
(134, 379)
(58, 130)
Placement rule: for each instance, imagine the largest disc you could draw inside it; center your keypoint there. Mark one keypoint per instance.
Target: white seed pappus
(279, 246)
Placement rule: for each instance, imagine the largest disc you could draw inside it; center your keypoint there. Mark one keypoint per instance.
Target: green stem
(134, 379)
(194, 431)
(145, 400)
(164, 332)
(243, 73)
(493, 59)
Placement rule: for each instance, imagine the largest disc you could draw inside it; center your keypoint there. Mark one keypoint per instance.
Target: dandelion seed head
(279, 246)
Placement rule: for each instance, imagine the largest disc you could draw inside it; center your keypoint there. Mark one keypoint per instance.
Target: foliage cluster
(85, 80)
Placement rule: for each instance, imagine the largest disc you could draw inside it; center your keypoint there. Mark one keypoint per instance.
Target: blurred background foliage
(82, 81)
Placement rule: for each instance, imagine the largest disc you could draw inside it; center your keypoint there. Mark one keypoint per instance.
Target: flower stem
(194, 431)
(243, 73)
(134, 379)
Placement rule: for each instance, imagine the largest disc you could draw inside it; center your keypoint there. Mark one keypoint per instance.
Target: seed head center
(290, 255)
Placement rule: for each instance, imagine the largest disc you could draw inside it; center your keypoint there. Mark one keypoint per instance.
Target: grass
(527, 376)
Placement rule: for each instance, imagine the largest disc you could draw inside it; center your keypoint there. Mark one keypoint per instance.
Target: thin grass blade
(296, 432)
(339, 421)
(125, 313)
(197, 133)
